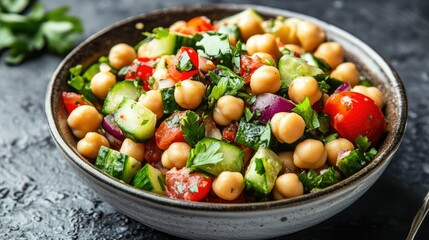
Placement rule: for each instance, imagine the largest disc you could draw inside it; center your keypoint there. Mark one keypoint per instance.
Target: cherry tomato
(248, 66)
(353, 114)
(169, 131)
(182, 184)
(185, 64)
(72, 100)
(199, 24)
(141, 69)
(152, 152)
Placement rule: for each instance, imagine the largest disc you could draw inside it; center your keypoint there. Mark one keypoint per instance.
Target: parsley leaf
(214, 45)
(254, 135)
(203, 155)
(193, 130)
(226, 82)
(158, 33)
(362, 143)
(82, 84)
(311, 180)
(310, 116)
(327, 84)
(27, 35)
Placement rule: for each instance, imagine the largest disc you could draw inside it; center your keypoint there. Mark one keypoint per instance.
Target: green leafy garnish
(254, 135)
(226, 82)
(192, 128)
(362, 143)
(168, 102)
(215, 46)
(311, 180)
(327, 84)
(27, 35)
(203, 155)
(310, 116)
(364, 81)
(157, 33)
(82, 84)
(185, 64)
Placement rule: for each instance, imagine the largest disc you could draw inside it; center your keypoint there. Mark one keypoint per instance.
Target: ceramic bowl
(230, 221)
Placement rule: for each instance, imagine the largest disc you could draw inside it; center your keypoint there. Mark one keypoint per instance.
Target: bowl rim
(254, 206)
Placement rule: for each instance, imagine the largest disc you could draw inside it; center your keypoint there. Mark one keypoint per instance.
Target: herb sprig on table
(27, 30)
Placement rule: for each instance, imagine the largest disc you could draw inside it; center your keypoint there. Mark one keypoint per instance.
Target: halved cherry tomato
(182, 184)
(199, 24)
(141, 69)
(169, 131)
(248, 66)
(152, 152)
(353, 114)
(72, 100)
(185, 64)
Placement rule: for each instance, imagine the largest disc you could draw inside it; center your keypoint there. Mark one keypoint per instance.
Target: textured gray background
(41, 198)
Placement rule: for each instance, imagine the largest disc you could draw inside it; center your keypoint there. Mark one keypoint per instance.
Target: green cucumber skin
(291, 67)
(260, 185)
(119, 91)
(148, 179)
(117, 164)
(136, 122)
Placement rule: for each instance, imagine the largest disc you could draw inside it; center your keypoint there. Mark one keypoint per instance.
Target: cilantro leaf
(203, 155)
(193, 130)
(310, 116)
(27, 35)
(214, 45)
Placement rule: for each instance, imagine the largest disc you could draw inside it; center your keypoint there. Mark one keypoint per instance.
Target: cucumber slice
(116, 94)
(117, 164)
(314, 61)
(135, 121)
(292, 67)
(231, 157)
(167, 45)
(262, 172)
(149, 179)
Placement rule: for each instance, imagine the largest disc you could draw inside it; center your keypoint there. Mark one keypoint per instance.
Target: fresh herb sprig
(27, 35)
(192, 128)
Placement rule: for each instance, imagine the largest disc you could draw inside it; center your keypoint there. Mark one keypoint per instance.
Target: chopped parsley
(203, 154)
(192, 128)
(310, 116)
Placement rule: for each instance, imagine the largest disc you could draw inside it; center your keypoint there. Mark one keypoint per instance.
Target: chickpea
(346, 72)
(288, 185)
(372, 92)
(294, 48)
(310, 154)
(189, 93)
(310, 35)
(206, 65)
(91, 144)
(228, 185)
(331, 52)
(84, 119)
(264, 58)
(263, 43)
(336, 146)
(286, 159)
(101, 83)
(228, 108)
(291, 35)
(265, 79)
(152, 100)
(121, 55)
(302, 87)
(133, 149)
(287, 127)
(248, 26)
(177, 26)
(176, 155)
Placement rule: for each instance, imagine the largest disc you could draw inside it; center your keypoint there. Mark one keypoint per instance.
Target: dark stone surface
(41, 198)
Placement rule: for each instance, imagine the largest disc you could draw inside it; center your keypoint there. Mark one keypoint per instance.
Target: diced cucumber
(229, 157)
(117, 164)
(149, 179)
(91, 71)
(262, 172)
(128, 89)
(314, 61)
(291, 67)
(135, 121)
(100, 162)
(167, 45)
(351, 162)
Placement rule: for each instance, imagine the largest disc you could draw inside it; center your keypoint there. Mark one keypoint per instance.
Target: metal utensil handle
(418, 219)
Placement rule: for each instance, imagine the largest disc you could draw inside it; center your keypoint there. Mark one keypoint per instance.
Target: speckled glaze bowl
(226, 221)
